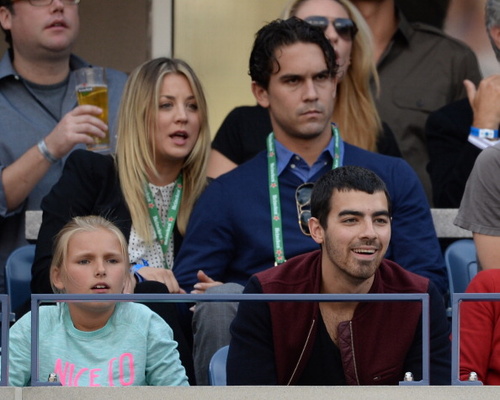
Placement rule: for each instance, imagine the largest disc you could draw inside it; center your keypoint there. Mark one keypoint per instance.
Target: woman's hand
(162, 275)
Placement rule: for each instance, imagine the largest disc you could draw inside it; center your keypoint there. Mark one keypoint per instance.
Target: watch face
(491, 134)
(488, 133)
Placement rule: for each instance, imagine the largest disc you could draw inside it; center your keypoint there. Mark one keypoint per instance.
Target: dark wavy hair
(278, 33)
(344, 179)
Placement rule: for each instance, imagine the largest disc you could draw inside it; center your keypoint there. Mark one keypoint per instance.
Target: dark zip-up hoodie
(379, 344)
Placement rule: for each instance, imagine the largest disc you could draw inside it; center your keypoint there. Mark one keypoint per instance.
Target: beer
(96, 96)
(91, 88)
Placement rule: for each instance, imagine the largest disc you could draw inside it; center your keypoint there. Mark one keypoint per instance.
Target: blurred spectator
(40, 121)
(420, 69)
(452, 150)
(480, 331)
(431, 12)
(479, 209)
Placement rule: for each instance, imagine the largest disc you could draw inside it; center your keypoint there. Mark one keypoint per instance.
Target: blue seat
(217, 367)
(461, 263)
(18, 275)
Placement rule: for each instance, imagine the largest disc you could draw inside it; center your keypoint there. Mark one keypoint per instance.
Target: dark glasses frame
(303, 200)
(43, 3)
(345, 27)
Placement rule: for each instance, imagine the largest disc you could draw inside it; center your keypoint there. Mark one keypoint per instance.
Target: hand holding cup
(92, 88)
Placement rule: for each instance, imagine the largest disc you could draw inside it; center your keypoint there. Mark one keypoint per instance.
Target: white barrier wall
(256, 393)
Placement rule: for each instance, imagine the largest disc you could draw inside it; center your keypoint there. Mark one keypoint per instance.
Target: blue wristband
(135, 270)
(484, 133)
(136, 267)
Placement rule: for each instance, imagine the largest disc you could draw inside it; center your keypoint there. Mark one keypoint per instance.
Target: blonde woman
(243, 133)
(148, 189)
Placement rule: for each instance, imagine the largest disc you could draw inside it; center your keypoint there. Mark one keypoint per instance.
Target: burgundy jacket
(379, 344)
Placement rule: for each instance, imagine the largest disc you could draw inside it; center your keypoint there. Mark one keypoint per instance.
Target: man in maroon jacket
(339, 343)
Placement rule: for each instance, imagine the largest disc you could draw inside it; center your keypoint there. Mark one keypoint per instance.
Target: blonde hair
(135, 149)
(90, 223)
(355, 111)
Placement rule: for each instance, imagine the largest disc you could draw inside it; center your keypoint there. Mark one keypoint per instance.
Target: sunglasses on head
(345, 27)
(303, 201)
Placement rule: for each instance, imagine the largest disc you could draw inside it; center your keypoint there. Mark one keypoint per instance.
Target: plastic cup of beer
(92, 88)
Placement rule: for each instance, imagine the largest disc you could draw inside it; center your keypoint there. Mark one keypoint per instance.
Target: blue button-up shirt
(288, 159)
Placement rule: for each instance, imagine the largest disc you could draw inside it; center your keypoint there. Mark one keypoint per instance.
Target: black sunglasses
(345, 27)
(303, 200)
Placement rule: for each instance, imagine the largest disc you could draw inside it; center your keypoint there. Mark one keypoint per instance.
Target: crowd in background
(367, 116)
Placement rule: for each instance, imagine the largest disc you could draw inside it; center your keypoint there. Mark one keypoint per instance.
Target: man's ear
(316, 230)
(495, 35)
(5, 18)
(260, 94)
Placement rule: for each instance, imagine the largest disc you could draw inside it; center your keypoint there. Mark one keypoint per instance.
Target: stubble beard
(356, 271)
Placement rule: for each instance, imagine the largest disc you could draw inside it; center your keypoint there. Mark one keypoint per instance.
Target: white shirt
(153, 254)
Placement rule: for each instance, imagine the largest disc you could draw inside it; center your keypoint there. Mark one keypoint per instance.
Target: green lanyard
(164, 232)
(274, 192)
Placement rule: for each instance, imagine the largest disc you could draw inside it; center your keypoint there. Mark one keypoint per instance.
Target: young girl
(95, 343)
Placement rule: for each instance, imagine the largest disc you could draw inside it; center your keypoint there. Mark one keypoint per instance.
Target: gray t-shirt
(480, 207)
(49, 96)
